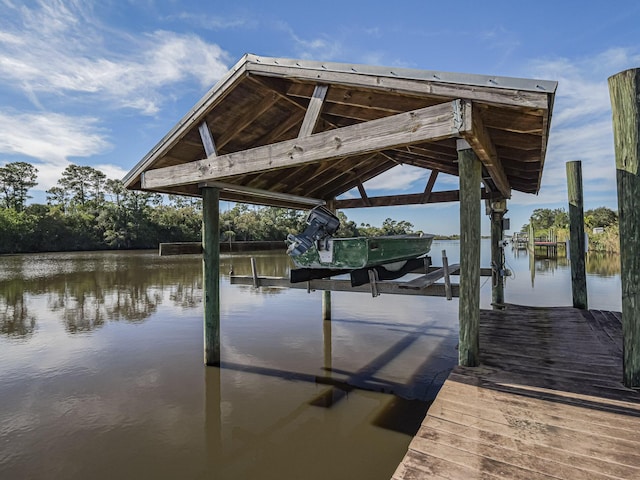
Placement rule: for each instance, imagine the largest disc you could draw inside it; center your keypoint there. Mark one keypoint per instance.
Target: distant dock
(546, 402)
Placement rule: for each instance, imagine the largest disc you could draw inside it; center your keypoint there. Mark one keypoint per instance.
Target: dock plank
(547, 401)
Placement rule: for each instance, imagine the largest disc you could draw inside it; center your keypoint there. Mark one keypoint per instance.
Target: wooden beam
(408, 199)
(334, 285)
(480, 141)
(577, 249)
(267, 194)
(363, 193)
(518, 99)
(427, 124)
(624, 89)
(429, 188)
(207, 139)
(313, 111)
(469, 306)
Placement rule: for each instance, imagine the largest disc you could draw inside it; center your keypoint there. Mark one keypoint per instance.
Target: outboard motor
(322, 224)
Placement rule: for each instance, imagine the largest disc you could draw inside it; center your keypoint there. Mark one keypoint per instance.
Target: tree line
(85, 210)
(601, 225)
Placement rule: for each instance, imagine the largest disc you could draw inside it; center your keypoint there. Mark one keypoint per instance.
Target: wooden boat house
(297, 133)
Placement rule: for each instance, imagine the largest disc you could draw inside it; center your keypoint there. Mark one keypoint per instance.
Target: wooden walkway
(547, 402)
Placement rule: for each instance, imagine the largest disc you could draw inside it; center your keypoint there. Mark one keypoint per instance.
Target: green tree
(57, 196)
(83, 184)
(348, 228)
(15, 181)
(600, 217)
(393, 227)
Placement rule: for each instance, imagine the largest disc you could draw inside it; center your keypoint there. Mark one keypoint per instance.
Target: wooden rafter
(428, 190)
(266, 194)
(363, 193)
(366, 170)
(246, 119)
(479, 139)
(313, 111)
(426, 124)
(408, 199)
(207, 139)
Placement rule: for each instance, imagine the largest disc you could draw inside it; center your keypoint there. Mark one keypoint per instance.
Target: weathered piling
(211, 274)
(497, 211)
(624, 89)
(470, 171)
(326, 294)
(576, 234)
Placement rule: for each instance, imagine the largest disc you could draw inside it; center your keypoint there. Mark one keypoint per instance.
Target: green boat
(317, 254)
(362, 252)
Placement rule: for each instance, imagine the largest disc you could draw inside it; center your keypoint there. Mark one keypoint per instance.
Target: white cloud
(398, 178)
(62, 49)
(580, 127)
(63, 59)
(51, 139)
(51, 136)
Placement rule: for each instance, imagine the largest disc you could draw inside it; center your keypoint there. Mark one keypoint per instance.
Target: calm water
(101, 367)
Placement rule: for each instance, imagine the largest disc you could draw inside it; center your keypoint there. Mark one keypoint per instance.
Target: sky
(99, 83)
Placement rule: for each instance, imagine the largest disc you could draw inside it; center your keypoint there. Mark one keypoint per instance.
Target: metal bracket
(373, 281)
(458, 116)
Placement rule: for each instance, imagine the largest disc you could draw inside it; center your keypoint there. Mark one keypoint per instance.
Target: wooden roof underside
(269, 142)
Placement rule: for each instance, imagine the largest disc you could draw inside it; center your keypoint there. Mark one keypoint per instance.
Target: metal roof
(262, 102)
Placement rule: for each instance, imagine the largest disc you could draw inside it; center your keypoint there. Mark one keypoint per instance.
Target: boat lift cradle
(319, 257)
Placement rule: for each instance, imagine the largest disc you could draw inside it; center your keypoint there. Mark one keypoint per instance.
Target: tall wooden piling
(470, 170)
(624, 89)
(211, 273)
(497, 211)
(326, 294)
(576, 235)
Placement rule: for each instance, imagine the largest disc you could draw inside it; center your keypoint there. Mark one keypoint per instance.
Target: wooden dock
(546, 402)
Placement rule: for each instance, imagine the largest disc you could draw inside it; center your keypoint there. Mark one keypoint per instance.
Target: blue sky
(99, 83)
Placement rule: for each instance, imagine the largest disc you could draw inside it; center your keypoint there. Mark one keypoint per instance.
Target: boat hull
(362, 252)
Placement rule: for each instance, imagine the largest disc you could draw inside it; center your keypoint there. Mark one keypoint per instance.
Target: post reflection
(213, 419)
(15, 319)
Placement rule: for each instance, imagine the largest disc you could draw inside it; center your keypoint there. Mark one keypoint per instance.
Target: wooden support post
(211, 274)
(447, 278)
(470, 169)
(576, 234)
(497, 210)
(254, 273)
(328, 348)
(624, 89)
(326, 294)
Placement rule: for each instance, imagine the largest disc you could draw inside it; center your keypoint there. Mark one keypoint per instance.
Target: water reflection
(15, 319)
(119, 390)
(86, 290)
(549, 279)
(603, 264)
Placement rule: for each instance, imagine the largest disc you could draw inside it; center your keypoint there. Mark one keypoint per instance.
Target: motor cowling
(322, 223)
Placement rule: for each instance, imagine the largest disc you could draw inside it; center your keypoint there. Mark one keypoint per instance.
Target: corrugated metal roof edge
(510, 83)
